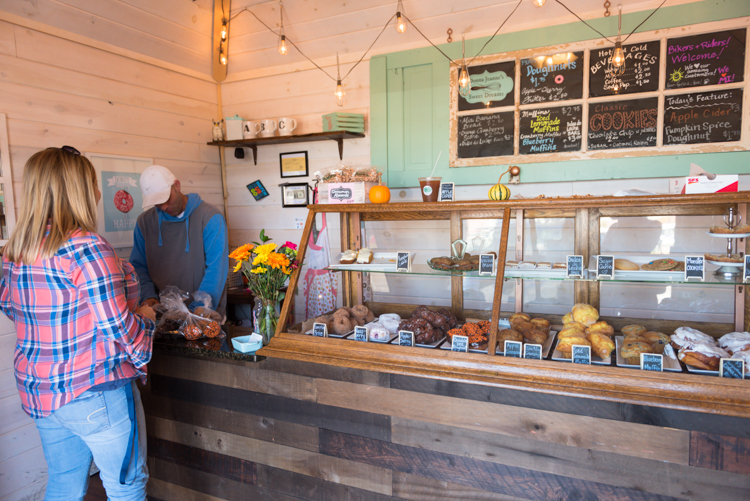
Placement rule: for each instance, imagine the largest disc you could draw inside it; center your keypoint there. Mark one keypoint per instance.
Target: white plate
(331, 334)
(545, 347)
(641, 260)
(670, 364)
(723, 263)
(729, 235)
(534, 273)
(694, 370)
(447, 346)
(558, 356)
(381, 261)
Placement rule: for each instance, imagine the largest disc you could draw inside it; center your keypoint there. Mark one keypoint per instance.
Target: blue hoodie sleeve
(216, 246)
(138, 260)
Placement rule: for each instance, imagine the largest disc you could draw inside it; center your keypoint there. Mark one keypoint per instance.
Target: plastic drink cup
(430, 188)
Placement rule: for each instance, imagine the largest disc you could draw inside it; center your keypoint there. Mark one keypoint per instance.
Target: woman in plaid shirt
(81, 342)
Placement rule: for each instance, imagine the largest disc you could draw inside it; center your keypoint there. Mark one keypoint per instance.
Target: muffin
(633, 329)
(585, 313)
(631, 351)
(601, 344)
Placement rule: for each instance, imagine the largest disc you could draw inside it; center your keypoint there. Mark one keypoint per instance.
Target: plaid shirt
(74, 322)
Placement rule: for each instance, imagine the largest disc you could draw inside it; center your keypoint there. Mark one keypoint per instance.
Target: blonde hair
(59, 189)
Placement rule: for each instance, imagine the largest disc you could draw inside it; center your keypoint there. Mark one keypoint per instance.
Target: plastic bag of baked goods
(177, 318)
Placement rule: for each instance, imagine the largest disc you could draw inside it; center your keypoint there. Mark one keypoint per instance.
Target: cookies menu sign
(623, 124)
(707, 59)
(641, 70)
(488, 135)
(550, 130)
(703, 117)
(552, 78)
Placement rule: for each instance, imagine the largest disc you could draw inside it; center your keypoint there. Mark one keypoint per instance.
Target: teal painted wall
(572, 170)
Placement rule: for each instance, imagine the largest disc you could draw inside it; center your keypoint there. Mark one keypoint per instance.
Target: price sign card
(652, 362)
(361, 334)
(460, 343)
(574, 267)
(746, 268)
(581, 354)
(486, 264)
(605, 267)
(403, 261)
(513, 349)
(695, 267)
(405, 338)
(533, 351)
(320, 330)
(447, 192)
(732, 368)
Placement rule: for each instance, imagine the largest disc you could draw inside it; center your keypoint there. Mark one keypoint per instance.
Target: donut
(341, 312)
(341, 325)
(370, 317)
(360, 311)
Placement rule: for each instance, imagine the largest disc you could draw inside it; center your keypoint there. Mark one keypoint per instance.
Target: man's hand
(152, 301)
(146, 311)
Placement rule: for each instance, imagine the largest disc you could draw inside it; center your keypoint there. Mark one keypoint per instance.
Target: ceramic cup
(249, 129)
(286, 126)
(266, 127)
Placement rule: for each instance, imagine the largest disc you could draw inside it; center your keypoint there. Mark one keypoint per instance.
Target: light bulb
(282, 45)
(340, 94)
(223, 58)
(538, 3)
(400, 23)
(464, 81)
(224, 31)
(549, 61)
(618, 56)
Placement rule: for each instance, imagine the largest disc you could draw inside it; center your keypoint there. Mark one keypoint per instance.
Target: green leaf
(281, 297)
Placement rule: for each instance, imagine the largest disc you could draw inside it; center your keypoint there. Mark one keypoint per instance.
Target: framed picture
(295, 195)
(257, 190)
(293, 164)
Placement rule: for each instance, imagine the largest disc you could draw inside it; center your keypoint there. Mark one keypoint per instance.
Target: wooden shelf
(253, 144)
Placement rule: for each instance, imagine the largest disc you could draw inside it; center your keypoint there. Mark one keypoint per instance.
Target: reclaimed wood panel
(308, 369)
(363, 476)
(720, 452)
(483, 475)
(643, 441)
(416, 488)
(159, 489)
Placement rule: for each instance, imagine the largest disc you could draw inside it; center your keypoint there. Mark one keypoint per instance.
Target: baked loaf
(348, 257)
(624, 264)
(601, 344)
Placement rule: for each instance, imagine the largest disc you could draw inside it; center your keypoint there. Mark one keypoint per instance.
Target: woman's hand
(146, 311)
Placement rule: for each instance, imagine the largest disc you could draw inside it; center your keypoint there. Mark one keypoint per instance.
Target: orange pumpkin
(380, 194)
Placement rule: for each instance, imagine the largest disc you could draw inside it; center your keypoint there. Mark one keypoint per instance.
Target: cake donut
(735, 341)
(341, 325)
(341, 312)
(360, 311)
(370, 317)
(685, 336)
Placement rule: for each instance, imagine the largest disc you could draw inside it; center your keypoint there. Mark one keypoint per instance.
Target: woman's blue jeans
(94, 424)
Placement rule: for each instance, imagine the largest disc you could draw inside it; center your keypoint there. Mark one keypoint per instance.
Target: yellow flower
(286, 270)
(259, 270)
(265, 249)
(276, 260)
(260, 259)
(241, 253)
(238, 266)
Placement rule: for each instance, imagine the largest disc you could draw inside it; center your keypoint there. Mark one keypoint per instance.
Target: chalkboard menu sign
(550, 130)
(491, 86)
(488, 135)
(552, 78)
(641, 70)
(703, 117)
(623, 124)
(706, 59)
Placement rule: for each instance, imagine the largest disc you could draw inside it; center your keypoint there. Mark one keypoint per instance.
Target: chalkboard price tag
(487, 264)
(605, 266)
(533, 351)
(460, 343)
(695, 267)
(732, 368)
(403, 262)
(746, 269)
(574, 267)
(405, 338)
(361, 334)
(320, 330)
(447, 192)
(581, 354)
(513, 349)
(652, 362)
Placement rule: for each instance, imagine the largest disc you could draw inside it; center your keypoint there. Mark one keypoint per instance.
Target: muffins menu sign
(552, 78)
(703, 117)
(641, 70)
(550, 130)
(707, 59)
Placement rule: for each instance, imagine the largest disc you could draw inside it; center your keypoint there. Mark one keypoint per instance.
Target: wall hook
(450, 32)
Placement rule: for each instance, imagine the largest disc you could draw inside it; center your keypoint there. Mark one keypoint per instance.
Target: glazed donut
(360, 311)
(341, 312)
(341, 325)
(370, 317)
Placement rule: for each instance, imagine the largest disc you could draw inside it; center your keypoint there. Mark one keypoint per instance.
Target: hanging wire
(370, 47)
(496, 32)
(649, 16)
(602, 34)
(428, 40)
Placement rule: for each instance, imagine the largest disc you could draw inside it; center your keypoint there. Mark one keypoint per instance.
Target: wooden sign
(652, 362)
(533, 351)
(553, 77)
(605, 266)
(574, 267)
(460, 343)
(513, 349)
(550, 130)
(706, 59)
(746, 268)
(487, 264)
(361, 334)
(623, 124)
(492, 85)
(403, 262)
(581, 354)
(447, 192)
(641, 70)
(405, 338)
(486, 135)
(703, 117)
(320, 330)
(695, 267)
(732, 368)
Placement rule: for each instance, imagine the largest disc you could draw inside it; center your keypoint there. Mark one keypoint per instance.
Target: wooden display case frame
(672, 390)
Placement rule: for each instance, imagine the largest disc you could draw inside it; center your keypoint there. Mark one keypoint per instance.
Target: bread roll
(624, 264)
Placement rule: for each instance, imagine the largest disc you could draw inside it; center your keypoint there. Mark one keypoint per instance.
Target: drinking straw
(436, 161)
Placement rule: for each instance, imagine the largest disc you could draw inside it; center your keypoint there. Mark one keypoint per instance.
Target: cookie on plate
(665, 264)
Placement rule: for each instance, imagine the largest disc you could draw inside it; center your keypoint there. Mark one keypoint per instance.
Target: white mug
(286, 126)
(266, 127)
(249, 129)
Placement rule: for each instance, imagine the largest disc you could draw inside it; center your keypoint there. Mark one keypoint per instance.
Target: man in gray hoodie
(180, 241)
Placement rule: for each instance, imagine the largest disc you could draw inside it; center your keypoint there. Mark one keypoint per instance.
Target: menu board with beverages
(703, 117)
(491, 86)
(623, 124)
(487, 135)
(550, 130)
(706, 59)
(641, 72)
(552, 78)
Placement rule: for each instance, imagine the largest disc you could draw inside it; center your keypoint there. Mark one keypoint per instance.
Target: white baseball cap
(156, 185)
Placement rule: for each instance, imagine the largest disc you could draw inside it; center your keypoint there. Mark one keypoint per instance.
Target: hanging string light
(538, 3)
(340, 94)
(282, 37)
(224, 30)
(400, 22)
(464, 80)
(618, 56)
(222, 57)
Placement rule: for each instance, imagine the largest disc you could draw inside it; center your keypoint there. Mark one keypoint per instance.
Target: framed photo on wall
(295, 195)
(293, 164)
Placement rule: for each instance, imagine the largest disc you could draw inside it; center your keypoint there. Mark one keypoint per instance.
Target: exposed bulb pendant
(224, 31)
(340, 94)
(464, 80)
(222, 57)
(618, 56)
(538, 3)
(282, 48)
(400, 21)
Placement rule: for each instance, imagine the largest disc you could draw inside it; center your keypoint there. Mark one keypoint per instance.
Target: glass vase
(266, 317)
